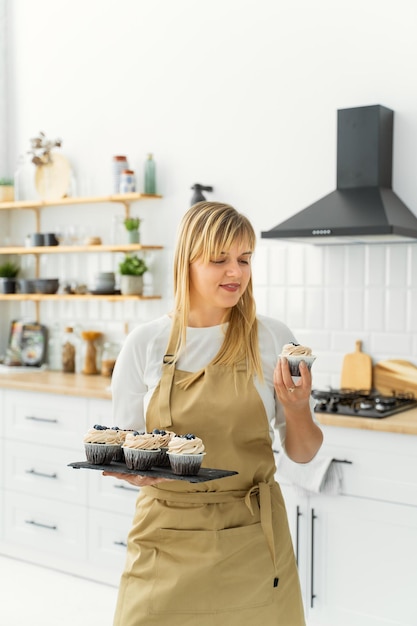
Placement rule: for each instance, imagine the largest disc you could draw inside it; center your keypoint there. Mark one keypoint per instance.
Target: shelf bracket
(127, 208)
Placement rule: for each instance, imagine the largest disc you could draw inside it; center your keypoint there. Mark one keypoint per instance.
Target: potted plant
(8, 273)
(6, 190)
(132, 269)
(132, 226)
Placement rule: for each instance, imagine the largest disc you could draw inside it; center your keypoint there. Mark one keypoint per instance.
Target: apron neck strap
(167, 377)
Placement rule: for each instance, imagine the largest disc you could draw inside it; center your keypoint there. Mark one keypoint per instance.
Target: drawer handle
(342, 461)
(41, 419)
(31, 521)
(120, 543)
(36, 473)
(126, 488)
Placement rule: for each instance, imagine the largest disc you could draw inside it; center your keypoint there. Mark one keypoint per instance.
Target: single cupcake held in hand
(141, 450)
(294, 353)
(185, 454)
(101, 444)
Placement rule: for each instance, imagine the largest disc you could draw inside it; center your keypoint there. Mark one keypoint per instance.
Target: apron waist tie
(262, 490)
(265, 507)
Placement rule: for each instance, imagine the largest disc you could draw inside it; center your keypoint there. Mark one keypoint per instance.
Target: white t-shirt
(139, 364)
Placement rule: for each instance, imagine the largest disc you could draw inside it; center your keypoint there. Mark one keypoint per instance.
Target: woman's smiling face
(218, 284)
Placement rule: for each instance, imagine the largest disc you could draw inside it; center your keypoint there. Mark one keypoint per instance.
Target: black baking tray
(204, 474)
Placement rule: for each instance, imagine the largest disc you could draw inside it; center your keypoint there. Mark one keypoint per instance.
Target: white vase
(131, 285)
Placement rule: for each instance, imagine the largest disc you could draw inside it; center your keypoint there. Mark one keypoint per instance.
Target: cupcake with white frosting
(294, 353)
(141, 450)
(101, 444)
(186, 454)
(165, 438)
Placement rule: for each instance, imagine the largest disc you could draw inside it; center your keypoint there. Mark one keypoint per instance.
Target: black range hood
(363, 208)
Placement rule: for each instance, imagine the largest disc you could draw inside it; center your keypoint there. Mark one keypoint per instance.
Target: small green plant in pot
(132, 269)
(6, 190)
(8, 274)
(132, 226)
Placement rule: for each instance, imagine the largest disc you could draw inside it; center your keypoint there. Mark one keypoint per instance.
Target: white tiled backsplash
(330, 296)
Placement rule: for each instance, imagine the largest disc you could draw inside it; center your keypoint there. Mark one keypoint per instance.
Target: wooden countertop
(404, 423)
(99, 387)
(57, 382)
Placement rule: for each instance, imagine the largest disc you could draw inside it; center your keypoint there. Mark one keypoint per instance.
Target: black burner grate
(362, 403)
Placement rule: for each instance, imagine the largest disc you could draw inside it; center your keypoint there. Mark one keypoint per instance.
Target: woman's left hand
(302, 435)
(289, 393)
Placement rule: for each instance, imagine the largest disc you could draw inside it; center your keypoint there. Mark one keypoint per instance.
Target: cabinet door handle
(36, 473)
(312, 594)
(342, 461)
(34, 523)
(41, 419)
(120, 543)
(297, 532)
(126, 488)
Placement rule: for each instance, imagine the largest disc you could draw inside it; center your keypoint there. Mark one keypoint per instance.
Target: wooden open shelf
(41, 297)
(130, 247)
(40, 204)
(37, 206)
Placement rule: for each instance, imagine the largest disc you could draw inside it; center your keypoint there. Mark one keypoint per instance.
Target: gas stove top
(358, 403)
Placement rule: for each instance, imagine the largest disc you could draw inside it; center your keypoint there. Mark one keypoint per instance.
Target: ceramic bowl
(25, 285)
(46, 285)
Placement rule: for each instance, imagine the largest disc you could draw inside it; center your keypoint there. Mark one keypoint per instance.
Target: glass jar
(90, 352)
(127, 181)
(119, 164)
(108, 361)
(69, 350)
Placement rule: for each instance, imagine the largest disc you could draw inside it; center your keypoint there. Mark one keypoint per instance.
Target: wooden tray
(204, 474)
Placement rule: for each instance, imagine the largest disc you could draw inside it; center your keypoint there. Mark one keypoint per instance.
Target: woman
(214, 553)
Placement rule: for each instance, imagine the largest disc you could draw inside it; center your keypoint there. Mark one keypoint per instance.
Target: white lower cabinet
(357, 554)
(71, 519)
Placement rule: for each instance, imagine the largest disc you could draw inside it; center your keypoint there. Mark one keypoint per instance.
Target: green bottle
(150, 175)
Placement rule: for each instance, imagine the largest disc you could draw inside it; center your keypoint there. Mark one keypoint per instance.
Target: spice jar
(90, 351)
(110, 353)
(127, 181)
(68, 350)
(119, 163)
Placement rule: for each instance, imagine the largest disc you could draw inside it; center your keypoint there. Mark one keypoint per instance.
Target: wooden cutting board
(357, 370)
(395, 376)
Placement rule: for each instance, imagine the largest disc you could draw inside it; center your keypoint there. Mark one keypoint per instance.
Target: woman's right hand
(136, 480)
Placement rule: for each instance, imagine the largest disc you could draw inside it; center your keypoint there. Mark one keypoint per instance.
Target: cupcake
(119, 456)
(165, 438)
(294, 353)
(185, 454)
(141, 450)
(101, 444)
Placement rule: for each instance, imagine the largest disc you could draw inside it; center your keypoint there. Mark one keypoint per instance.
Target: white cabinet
(1, 463)
(52, 514)
(357, 552)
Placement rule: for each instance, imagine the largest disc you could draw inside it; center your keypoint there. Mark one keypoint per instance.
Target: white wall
(242, 95)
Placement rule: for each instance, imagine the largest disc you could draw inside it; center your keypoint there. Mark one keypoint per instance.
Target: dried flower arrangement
(41, 149)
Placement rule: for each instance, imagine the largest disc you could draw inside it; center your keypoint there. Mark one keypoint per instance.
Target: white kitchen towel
(320, 475)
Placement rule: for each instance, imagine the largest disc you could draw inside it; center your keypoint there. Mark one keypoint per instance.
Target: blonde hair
(206, 230)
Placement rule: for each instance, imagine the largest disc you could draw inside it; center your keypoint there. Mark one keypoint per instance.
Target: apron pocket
(212, 571)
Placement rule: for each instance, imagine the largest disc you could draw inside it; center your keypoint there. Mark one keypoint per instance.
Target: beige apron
(217, 553)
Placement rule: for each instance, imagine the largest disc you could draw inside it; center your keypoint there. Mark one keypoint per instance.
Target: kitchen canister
(119, 163)
(127, 181)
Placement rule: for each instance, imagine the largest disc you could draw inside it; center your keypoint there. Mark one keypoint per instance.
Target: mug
(50, 239)
(37, 239)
